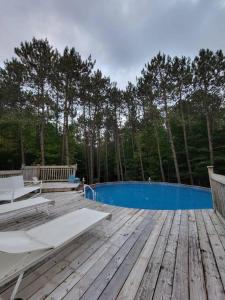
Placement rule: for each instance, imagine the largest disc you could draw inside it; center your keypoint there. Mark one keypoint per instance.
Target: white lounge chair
(13, 187)
(19, 250)
(24, 205)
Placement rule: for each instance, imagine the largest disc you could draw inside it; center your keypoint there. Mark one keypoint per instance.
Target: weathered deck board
(216, 246)
(213, 282)
(118, 268)
(132, 283)
(139, 254)
(196, 274)
(180, 280)
(220, 228)
(147, 286)
(163, 289)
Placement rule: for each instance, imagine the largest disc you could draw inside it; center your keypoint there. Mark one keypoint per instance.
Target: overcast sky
(122, 35)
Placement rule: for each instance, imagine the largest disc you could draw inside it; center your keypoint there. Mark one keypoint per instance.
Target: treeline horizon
(56, 108)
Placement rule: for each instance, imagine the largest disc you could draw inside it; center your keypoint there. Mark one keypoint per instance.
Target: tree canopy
(57, 108)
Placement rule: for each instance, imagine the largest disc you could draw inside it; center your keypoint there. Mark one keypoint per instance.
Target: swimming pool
(152, 195)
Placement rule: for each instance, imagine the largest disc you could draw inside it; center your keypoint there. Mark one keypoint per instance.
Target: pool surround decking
(139, 254)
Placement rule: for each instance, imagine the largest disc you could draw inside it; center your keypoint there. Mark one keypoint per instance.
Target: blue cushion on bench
(73, 179)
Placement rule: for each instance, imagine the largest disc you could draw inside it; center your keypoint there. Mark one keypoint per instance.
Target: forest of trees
(56, 108)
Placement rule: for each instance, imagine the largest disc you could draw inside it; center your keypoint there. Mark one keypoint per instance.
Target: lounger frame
(47, 252)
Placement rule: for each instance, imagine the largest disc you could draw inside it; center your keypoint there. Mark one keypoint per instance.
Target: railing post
(74, 169)
(210, 172)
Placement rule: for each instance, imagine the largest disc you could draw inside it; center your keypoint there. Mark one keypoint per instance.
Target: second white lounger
(25, 205)
(19, 250)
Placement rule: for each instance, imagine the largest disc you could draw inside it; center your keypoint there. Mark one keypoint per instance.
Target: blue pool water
(152, 195)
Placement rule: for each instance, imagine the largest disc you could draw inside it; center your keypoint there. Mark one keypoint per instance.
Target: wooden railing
(217, 183)
(57, 173)
(44, 173)
(49, 173)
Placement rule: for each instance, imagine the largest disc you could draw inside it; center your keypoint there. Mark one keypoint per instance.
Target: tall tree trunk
(173, 152)
(171, 142)
(189, 118)
(117, 154)
(117, 164)
(106, 160)
(42, 127)
(172, 146)
(57, 110)
(159, 155)
(132, 141)
(210, 139)
(42, 143)
(22, 146)
(119, 167)
(63, 147)
(90, 145)
(86, 149)
(98, 158)
(67, 143)
(119, 159)
(124, 157)
(91, 164)
(85, 152)
(66, 129)
(140, 159)
(186, 146)
(88, 160)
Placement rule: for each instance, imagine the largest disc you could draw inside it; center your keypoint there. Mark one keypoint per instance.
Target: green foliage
(54, 108)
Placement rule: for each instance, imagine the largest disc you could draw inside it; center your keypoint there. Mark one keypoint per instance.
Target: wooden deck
(139, 254)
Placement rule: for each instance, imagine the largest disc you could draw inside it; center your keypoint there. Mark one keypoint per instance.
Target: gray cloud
(122, 35)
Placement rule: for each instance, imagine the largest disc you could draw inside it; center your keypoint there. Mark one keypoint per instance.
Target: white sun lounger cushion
(19, 242)
(6, 195)
(53, 234)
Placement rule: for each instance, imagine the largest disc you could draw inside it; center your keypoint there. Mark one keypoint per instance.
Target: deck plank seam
(148, 219)
(169, 219)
